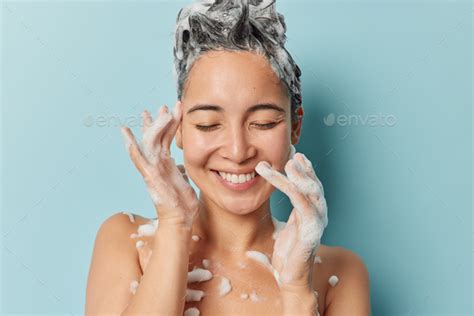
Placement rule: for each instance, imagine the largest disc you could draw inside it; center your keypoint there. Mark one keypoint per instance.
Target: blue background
(398, 195)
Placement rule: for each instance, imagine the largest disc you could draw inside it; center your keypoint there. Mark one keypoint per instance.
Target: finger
(171, 130)
(301, 177)
(183, 172)
(309, 168)
(147, 121)
(302, 163)
(308, 185)
(152, 138)
(317, 196)
(282, 183)
(134, 150)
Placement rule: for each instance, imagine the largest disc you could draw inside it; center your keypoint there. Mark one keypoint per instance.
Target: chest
(238, 292)
(241, 287)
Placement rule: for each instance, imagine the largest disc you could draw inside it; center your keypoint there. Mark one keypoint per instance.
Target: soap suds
(206, 263)
(192, 311)
(254, 297)
(277, 276)
(130, 216)
(244, 296)
(259, 257)
(199, 275)
(317, 259)
(134, 286)
(139, 244)
(242, 265)
(224, 286)
(333, 280)
(149, 136)
(195, 237)
(278, 227)
(148, 229)
(305, 238)
(194, 295)
(265, 261)
(133, 235)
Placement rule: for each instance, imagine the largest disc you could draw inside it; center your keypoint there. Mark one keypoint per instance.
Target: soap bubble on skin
(278, 227)
(254, 297)
(199, 275)
(206, 263)
(192, 311)
(244, 296)
(148, 229)
(241, 265)
(139, 244)
(194, 295)
(260, 258)
(130, 217)
(224, 287)
(317, 259)
(333, 279)
(134, 286)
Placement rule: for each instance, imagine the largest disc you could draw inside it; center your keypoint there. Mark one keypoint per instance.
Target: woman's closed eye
(208, 128)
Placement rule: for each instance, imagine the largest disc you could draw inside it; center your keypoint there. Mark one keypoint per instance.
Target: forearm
(162, 288)
(301, 302)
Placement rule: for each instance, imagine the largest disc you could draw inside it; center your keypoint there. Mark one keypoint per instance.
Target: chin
(240, 207)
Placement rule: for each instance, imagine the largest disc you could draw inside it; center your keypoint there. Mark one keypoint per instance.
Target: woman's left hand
(296, 244)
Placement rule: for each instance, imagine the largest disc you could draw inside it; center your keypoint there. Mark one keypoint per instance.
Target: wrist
(303, 301)
(173, 230)
(177, 222)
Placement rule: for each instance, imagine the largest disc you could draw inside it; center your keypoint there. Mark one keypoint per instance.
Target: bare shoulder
(349, 286)
(114, 265)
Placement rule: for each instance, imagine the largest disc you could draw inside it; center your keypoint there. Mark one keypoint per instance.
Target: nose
(237, 147)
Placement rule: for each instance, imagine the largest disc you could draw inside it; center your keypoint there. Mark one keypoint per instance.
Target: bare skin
(246, 276)
(228, 222)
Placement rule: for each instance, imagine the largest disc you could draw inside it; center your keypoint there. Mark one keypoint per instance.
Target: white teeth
(234, 178)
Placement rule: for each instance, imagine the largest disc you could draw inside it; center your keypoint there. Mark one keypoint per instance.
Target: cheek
(196, 147)
(275, 147)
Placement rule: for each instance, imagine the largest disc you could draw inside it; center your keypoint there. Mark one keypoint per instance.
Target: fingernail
(176, 109)
(307, 160)
(263, 168)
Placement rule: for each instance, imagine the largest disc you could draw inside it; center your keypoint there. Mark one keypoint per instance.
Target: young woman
(237, 117)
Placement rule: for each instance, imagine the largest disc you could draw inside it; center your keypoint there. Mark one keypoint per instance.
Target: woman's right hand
(174, 198)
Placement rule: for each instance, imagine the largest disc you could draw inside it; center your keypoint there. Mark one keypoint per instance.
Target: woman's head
(237, 109)
(235, 25)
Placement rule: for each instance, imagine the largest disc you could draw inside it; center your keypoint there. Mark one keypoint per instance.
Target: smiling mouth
(234, 179)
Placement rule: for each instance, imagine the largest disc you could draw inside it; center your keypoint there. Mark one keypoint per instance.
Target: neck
(228, 232)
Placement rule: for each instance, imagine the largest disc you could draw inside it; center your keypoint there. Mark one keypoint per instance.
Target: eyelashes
(209, 128)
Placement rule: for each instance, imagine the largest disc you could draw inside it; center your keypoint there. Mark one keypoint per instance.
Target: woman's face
(236, 113)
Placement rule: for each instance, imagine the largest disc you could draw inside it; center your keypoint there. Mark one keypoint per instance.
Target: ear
(296, 125)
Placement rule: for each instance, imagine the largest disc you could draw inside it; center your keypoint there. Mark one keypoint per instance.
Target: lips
(236, 186)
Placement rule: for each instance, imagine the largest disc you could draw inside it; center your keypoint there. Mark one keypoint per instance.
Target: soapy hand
(296, 244)
(173, 196)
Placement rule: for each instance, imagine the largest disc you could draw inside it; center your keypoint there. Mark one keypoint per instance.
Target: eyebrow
(253, 108)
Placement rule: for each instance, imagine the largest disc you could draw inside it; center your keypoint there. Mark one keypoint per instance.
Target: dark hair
(235, 25)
